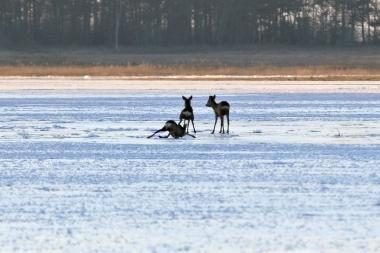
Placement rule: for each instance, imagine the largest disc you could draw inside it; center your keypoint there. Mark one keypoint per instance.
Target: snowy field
(298, 173)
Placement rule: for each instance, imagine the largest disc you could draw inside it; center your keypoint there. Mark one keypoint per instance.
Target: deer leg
(216, 120)
(187, 127)
(180, 121)
(192, 135)
(161, 130)
(228, 123)
(165, 136)
(221, 124)
(192, 121)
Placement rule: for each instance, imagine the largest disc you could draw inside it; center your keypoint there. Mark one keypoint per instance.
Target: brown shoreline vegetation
(256, 63)
(209, 73)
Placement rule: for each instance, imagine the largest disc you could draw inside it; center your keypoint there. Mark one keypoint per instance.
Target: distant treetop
(188, 22)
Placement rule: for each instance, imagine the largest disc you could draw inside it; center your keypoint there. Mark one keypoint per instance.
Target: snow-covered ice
(298, 173)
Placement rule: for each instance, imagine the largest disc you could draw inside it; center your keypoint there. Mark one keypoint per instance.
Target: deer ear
(191, 97)
(214, 96)
(183, 97)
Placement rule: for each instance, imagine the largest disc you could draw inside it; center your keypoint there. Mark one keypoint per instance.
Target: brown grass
(258, 72)
(357, 63)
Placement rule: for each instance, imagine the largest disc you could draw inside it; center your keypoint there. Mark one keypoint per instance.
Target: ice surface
(179, 84)
(298, 173)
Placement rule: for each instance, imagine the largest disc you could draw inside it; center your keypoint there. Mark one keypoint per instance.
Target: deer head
(187, 101)
(211, 101)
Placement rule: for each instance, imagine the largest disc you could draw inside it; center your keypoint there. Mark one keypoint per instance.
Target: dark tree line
(188, 22)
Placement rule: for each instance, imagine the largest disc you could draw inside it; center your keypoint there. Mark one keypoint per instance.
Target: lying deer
(187, 113)
(175, 130)
(220, 109)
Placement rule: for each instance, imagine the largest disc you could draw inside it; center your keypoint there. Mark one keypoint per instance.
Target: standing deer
(187, 113)
(220, 109)
(175, 130)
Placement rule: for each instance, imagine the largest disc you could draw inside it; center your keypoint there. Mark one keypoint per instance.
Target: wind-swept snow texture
(298, 173)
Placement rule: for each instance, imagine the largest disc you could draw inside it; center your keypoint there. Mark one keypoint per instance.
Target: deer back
(223, 108)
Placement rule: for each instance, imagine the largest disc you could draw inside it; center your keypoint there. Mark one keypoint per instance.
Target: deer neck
(188, 108)
(214, 106)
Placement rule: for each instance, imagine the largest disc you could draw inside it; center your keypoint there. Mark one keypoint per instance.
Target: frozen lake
(298, 173)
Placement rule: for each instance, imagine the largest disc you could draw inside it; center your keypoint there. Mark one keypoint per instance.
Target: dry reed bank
(351, 63)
